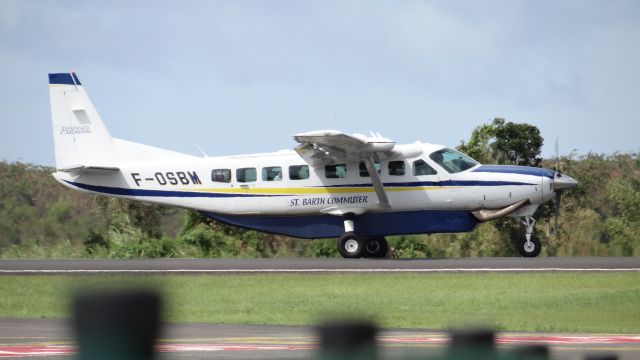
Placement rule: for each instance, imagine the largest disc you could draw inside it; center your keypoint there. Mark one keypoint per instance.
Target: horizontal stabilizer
(81, 169)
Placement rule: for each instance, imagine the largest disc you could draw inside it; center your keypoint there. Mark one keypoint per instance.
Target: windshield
(452, 161)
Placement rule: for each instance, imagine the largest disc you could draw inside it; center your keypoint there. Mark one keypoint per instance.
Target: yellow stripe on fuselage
(311, 191)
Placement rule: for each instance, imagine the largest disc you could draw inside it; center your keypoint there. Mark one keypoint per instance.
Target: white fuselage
(190, 184)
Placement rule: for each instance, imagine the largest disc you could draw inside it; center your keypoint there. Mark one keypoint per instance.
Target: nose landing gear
(530, 245)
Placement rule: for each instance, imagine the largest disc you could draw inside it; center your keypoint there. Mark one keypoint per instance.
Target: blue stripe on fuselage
(158, 193)
(437, 183)
(514, 169)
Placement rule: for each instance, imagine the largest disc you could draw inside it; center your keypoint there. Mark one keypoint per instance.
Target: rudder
(79, 135)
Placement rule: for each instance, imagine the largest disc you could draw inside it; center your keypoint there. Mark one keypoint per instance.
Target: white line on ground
(186, 271)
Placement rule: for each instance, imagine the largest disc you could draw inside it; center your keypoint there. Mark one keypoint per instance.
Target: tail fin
(81, 140)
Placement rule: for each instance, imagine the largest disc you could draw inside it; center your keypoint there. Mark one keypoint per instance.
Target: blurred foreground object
(116, 325)
(472, 344)
(347, 340)
(480, 344)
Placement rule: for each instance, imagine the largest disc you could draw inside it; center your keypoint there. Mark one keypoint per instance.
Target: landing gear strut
(530, 245)
(352, 245)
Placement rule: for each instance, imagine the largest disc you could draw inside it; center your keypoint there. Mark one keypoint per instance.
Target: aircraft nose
(561, 182)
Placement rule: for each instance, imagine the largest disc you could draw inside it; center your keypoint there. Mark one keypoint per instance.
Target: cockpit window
(452, 161)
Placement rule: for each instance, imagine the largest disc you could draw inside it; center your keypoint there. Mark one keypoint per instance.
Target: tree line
(40, 218)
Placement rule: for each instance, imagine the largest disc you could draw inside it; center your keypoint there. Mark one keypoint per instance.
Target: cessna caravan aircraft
(356, 188)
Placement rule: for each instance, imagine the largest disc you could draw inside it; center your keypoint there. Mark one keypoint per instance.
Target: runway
(53, 340)
(333, 265)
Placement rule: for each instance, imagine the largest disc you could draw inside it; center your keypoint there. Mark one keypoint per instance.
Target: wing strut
(377, 183)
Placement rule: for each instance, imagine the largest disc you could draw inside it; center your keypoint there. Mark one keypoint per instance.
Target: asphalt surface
(54, 339)
(322, 265)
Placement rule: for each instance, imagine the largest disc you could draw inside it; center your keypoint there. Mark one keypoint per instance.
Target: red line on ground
(31, 350)
(44, 350)
(227, 347)
(604, 339)
(517, 339)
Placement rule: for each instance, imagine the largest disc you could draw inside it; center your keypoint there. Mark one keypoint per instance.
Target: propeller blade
(557, 156)
(557, 209)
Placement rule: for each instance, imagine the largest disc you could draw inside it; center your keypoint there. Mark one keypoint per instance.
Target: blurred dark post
(477, 344)
(117, 325)
(347, 340)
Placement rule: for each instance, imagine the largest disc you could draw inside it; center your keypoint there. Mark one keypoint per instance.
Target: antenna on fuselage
(202, 151)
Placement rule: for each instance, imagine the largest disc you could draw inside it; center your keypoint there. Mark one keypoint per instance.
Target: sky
(235, 77)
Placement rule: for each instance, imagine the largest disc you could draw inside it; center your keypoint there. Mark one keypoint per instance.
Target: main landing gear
(352, 245)
(529, 246)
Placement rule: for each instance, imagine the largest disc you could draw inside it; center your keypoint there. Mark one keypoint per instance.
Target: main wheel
(530, 249)
(376, 247)
(351, 246)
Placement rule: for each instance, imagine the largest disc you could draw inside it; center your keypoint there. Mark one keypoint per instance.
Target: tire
(376, 247)
(351, 246)
(528, 251)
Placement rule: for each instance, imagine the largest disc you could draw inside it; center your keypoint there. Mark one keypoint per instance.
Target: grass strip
(548, 302)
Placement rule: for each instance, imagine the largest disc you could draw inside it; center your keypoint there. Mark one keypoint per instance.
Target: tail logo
(82, 128)
(75, 130)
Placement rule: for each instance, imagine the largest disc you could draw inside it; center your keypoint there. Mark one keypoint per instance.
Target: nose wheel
(530, 245)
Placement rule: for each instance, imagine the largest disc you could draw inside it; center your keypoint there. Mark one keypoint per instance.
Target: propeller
(560, 183)
(558, 194)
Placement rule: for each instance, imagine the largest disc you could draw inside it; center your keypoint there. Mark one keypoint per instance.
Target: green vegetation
(40, 218)
(558, 302)
(502, 142)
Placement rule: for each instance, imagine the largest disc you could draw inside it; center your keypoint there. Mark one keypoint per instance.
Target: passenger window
(221, 175)
(299, 172)
(272, 173)
(363, 169)
(396, 168)
(246, 175)
(337, 171)
(420, 167)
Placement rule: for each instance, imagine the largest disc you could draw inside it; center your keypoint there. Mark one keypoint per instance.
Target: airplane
(352, 187)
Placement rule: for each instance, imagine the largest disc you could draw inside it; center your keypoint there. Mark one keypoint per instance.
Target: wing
(326, 147)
